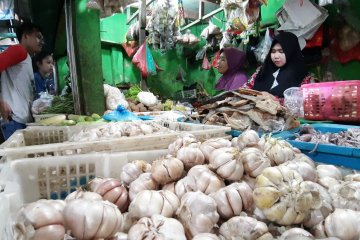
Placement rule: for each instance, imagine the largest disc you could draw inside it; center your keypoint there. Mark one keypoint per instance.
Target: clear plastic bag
(263, 47)
(42, 103)
(294, 101)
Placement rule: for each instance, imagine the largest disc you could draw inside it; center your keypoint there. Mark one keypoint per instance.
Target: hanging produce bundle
(188, 39)
(245, 109)
(162, 26)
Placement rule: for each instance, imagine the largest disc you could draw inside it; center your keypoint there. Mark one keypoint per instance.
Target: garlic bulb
(133, 170)
(39, 220)
(191, 155)
(89, 219)
(248, 138)
(343, 223)
(278, 151)
(111, 190)
(197, 213)
(233, 199)
(346, 195)
(182, 141)
(206, 236)
(143, 182)
(210, 145)
(126, 222)
(307, 172)
(300, 157)
(352, 177)
(234, 142)
(283, 196)
(199, 178)
(157, 227)
(329, 171)
(83, 194)
(162, 202)
(227, 163)
(250, 181)
(167, 170)
(170, 187)
(296, 233)
(254, 161)
(319, 211)
(243, 228)
(120, 236)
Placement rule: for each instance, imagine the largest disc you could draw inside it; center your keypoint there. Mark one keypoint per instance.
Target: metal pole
(142, 25)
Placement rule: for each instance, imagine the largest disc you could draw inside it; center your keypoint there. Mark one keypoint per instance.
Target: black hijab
(290, 75)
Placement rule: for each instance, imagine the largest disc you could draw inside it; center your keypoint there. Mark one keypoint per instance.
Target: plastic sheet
(120, 114)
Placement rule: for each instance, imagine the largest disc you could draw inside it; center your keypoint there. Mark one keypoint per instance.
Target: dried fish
(238, 121)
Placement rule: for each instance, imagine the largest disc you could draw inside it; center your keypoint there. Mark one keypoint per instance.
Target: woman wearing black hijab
(283, 68)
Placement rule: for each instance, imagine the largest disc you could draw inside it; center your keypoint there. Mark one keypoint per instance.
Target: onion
(133, 170)
(89, 219)
(210, 145)
(254, 161)
(197, 213)
(143, 182)
(227, 163)
(79, 193)
(243, 228)
(167, 170)
(40, 220)
(191, 155)
(111, 190)
(248, 138)
(157, 227)
(233, 199)
(162, 202)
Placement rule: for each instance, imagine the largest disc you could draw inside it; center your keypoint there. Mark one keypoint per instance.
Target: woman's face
(278, 56)
(222, 65)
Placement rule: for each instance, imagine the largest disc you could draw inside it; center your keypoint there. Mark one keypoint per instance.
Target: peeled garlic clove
(167, 170)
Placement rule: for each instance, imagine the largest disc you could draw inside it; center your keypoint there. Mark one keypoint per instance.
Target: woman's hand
(5, 110)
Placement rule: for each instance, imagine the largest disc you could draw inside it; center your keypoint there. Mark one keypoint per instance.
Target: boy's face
(33, 41)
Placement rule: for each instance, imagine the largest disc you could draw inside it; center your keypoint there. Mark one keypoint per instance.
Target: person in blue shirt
(44, 80)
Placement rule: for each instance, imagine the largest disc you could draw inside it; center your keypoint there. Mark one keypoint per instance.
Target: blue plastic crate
(325, 153)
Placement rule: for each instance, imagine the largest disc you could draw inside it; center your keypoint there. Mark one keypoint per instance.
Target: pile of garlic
(247, 188)
(116, 130)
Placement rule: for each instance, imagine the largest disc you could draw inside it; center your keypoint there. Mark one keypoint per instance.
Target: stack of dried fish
(349, 138)
(245, 108)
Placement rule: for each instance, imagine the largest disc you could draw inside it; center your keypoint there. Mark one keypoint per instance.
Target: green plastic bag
(268, 12)
(150, 63)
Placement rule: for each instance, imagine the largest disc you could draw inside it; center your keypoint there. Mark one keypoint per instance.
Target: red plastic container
(335, 101)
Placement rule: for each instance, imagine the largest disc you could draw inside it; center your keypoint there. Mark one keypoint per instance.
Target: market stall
(154, 149)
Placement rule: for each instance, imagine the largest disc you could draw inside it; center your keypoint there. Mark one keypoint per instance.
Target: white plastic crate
(28, 180)
(51, 141)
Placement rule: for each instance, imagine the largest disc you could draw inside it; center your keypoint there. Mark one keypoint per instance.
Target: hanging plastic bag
(216, 59)
(200, 54)
(264, 46)
(120, 114)
(129, 48)
(139, 59)
(150, 63)
(94, 4)
(205, 64)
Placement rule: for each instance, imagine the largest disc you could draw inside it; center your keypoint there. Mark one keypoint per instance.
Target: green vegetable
(133, 92)
(168, 105)
(52, 121)
(61, 105)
